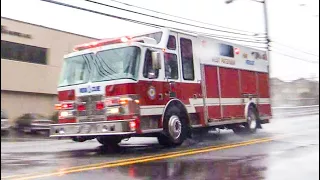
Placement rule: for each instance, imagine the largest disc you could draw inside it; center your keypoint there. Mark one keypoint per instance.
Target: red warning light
(102, 43)
(237, 51)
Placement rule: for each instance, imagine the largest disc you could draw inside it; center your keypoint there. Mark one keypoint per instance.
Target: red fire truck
(164, 84)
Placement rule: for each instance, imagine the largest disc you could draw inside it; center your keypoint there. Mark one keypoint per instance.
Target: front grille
(90, 104)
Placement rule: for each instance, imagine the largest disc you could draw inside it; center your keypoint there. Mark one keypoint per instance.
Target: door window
(171, 66)
(148, 71)
(187, 59)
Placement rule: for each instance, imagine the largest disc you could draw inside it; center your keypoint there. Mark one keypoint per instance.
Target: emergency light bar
(101, 43)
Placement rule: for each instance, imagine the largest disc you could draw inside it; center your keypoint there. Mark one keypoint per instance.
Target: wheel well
(176, 103)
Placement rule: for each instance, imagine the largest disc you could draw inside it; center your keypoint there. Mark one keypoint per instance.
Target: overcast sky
(290, 23)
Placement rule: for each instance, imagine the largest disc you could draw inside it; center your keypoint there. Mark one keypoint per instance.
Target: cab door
(151, 86)
(171, 68)
(191, 91)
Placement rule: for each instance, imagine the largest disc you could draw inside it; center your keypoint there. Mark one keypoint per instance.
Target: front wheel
(175, 128)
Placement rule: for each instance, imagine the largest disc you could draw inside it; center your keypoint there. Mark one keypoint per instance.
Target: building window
(187, 59)
(22, 52)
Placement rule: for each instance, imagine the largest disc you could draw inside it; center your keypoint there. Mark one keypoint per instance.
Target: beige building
(31, 58)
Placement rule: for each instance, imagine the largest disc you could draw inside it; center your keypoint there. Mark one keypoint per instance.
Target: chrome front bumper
(120, 127)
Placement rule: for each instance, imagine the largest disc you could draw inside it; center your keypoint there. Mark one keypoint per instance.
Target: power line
(278, 52)
(125, 19)
(100, 13)
(165, 19)
(281, 44)
(155, 25)
(166, 14)
(223, 37)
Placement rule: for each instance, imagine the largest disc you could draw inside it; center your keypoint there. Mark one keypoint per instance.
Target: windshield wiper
(101, 73)
(118, 79)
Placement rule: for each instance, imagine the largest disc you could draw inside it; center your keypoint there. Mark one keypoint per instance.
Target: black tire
(238, 129)
(163, 140)
(171, 135)
(109, 140)
(78, 139)
(251, 125)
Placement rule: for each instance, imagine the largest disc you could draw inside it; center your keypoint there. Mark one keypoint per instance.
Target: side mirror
(156, 60)
(151, 75)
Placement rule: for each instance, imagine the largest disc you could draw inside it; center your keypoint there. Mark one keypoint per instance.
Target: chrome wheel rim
(175, 127)
(253, 121)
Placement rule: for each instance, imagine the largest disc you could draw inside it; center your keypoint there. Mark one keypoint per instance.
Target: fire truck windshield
(112, 64)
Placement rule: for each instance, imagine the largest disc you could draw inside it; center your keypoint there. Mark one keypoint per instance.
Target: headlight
(113, 110)
(123, 105)
(64, 114)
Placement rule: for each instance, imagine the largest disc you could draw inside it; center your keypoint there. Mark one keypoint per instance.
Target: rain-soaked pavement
(293, 155)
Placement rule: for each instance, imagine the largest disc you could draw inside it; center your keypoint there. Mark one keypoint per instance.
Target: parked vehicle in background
(5, 125)
(32, 123)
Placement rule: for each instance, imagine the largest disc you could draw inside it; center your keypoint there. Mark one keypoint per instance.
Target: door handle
(160, 96)
(195, 96)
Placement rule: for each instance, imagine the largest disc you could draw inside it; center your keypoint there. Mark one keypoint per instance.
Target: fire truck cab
(163, 84)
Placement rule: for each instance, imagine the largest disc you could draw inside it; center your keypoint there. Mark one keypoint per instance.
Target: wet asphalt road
(288, 148)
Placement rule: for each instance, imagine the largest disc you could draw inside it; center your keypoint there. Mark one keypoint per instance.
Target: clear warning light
(124, 39)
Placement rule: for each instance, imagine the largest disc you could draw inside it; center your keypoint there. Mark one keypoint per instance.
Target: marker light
(132, 125)
(99, 105)
(57, 106)
(124, 101)
(67, 106)
(81, 107)
(64, 106)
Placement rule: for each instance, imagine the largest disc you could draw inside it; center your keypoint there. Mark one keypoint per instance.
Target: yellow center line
(136, 160)
(143, 159)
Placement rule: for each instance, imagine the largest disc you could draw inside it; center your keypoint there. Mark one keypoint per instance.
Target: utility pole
(266, 23)
(265, 15)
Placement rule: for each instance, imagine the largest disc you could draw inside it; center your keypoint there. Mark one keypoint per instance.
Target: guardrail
(295, 111)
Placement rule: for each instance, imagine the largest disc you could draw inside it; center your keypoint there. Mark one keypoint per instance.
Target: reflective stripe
(158, 109)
